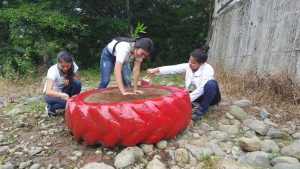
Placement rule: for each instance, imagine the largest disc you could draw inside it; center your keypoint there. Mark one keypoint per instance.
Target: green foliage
(90, 77)
(177, 27)
(140, 28)
(276, 154)
(210, 121)
(174, 80)
(36, 106)
(208, 160)
(34, 31)
(284, 140)
(241, 134)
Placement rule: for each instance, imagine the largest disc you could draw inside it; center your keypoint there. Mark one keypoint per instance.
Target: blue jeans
(72, 89)
(107, 62)
(210, 96)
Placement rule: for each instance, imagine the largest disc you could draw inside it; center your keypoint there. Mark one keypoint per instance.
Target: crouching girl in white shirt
(62, 82)
(199, 80)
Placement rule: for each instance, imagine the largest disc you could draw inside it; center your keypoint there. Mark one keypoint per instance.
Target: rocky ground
(234, 134)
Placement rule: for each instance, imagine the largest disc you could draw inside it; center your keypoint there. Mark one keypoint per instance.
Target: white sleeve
(207, 75)
(122, 51)
(173, 69)
(51, 74)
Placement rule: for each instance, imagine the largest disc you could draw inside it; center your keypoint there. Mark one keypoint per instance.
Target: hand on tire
(138, 92)
(128, 93)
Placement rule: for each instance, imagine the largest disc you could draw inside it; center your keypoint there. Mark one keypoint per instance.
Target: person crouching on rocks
(62, 82)
(199, 80)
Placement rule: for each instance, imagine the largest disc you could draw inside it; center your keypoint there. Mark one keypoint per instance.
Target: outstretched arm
(152, 71)
(166, 70)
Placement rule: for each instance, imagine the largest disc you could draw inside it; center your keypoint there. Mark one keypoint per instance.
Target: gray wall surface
(257, 35)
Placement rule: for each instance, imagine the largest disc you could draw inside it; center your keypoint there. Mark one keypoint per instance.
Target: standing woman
(62, 82)
(118, 53)
(199, 80)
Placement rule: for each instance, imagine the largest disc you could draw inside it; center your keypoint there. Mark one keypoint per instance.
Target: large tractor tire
(107, 117)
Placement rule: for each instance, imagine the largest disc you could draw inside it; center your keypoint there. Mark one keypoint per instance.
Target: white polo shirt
(53, 73)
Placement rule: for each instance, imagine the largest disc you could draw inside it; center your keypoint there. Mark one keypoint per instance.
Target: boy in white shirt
(199, 80)
(62, 82)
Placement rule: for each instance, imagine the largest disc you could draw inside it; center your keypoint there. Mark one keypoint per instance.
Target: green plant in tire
(140, 28)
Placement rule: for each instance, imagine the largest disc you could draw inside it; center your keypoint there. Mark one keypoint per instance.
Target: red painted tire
(129, 123)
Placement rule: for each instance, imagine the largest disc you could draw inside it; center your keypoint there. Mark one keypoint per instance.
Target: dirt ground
(60, 143)
(57, 142)
(114, 95)
(32, 129)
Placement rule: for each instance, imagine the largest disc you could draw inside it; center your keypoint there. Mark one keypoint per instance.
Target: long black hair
(201, 54)
(146, 44)
(65, 56)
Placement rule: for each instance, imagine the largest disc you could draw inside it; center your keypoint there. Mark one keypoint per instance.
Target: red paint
(129, 123)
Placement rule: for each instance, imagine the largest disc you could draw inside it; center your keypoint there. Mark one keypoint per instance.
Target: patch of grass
(90, 74)
(68, 166)
(210, 120)
(234, 143)
(276, 154)
(7, 108)
(208, 160)
(210, 110)
(241, 134)
(50, 119)
(8, 136)
(51, 152)
(36, 106)
(90, 78)
(285, 142)
(2, 158)
(175, 80)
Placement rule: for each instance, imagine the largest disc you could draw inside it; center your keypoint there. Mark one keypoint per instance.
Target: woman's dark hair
(65, 56)
(146, 44)
(201, 54)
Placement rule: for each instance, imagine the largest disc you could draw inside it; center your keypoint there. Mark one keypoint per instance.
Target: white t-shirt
(122, 51)
(53, 73)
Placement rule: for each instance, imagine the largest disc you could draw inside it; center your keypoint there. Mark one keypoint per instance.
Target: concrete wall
(257, 35)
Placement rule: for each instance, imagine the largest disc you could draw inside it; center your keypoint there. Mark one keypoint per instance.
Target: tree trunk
(130, 27)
